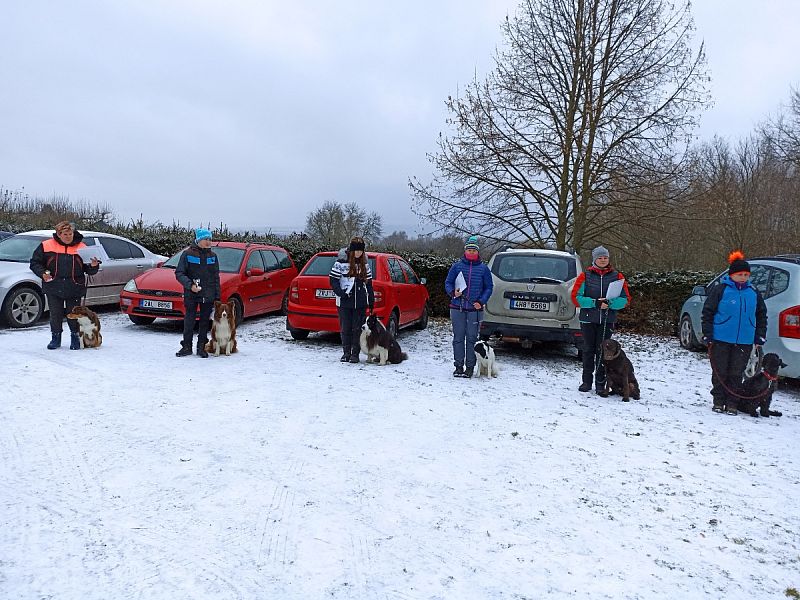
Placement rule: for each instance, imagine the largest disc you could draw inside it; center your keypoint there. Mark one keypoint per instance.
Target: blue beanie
(201, 234)
(472, 243)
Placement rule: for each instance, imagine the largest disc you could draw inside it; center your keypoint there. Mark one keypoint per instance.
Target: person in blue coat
(468, 285)
(734, 319)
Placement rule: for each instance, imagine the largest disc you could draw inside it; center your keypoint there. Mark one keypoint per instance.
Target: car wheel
(137, 320)
(285, 304)
(23, 307)
(687, 336)
(299, 334)
(423, 319)
(392, 326)
(238, 310)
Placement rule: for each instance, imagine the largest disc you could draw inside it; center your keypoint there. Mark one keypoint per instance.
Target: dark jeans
(728, 362)
(60, 307)
(593, 336)
(465, 333)
(350, 322)
(191, 304)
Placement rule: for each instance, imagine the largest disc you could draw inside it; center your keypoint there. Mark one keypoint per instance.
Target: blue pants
(465, 334)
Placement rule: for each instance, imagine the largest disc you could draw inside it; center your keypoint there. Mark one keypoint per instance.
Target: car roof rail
(790, 258)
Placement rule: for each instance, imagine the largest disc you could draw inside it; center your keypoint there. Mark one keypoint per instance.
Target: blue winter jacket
(479, 282)
(733, 315)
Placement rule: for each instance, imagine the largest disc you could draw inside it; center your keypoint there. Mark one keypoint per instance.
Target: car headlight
(131, 287)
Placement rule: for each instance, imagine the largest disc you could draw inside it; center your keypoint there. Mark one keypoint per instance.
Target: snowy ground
(280, 473)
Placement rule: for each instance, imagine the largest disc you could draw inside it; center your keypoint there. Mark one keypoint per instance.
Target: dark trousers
(728, 362)
(593, 336)
(60, 307)
(350, 322)
(191, 304)
(466, 325)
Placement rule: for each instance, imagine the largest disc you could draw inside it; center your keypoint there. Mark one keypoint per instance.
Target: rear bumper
(526, 332)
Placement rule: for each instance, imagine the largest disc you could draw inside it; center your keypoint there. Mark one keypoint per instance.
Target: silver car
(21, 300)
(778, 280)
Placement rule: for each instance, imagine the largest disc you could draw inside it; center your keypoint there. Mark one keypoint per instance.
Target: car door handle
(140, 266)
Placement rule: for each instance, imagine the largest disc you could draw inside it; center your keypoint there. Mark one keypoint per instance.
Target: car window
(321, 265)
(118, 249)
(759, 278)
(284, 262)
(19, 248)
(518, 268)
(254, 261)
(90, 241)
(230, 259)
(395, 271)
(410, 275)
(270, 261)
(779, 282)
(136, 252)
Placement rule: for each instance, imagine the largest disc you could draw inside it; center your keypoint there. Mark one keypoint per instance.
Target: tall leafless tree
(334, 224)
(588, 105)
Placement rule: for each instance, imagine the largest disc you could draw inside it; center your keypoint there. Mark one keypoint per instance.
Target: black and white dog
(486, 363)
(378, 344)
(760, 386)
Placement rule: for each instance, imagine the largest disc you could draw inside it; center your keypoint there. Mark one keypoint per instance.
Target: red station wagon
(401, 298)
(255, 277)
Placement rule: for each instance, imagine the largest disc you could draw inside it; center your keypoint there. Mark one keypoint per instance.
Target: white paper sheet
(615, 289)
(461, 283)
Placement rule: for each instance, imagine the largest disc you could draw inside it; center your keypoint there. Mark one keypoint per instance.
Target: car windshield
(19, 248)
(321, 265)
(230, 259)
(534, 269)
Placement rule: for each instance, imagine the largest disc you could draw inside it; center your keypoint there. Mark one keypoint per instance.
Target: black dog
(378, 344)
(759, 388)
(619, 372)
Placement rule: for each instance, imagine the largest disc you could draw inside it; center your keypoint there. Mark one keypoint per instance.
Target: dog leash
(730, 391)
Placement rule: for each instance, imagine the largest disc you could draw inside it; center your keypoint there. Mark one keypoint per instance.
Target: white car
(21, 300)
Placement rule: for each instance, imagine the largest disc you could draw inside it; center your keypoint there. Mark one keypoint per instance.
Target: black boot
(55, 342)
(459, 372)
(186, 350)
(585, 387)
(74, 342)
(201, 350)
(354, 358)
(345, 357)
(468, 372)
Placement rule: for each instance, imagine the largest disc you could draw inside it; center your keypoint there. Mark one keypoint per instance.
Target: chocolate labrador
(619, 372)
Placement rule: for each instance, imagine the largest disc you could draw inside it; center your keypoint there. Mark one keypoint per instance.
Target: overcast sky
(254, 112)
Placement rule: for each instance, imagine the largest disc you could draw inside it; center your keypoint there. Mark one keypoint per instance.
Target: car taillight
(789, 323)
(294, 292)
(378, 298)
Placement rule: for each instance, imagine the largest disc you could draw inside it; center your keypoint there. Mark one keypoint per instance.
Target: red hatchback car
(401, 298)
(255, 277)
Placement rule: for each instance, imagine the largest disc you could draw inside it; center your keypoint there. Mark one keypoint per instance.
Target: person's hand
(477, 305)
(94, 261)
(601, 303)
(457, 293)
(47, 277)
(760, 341)
(195, 288)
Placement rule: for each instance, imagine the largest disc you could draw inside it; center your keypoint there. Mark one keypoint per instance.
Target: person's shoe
(201, 351)
(585, 387)
(731, 411)
(74, 342)
(717, 408)
(459, 372)
(468, 372)
(184, 351)
(345, 357)
(55, 342)
(602, 392)
(354, 358)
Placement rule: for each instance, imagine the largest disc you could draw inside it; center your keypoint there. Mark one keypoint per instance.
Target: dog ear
(783, 365)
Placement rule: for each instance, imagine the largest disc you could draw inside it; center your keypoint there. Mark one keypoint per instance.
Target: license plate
(324, 294)
(529, 305)
(156, 304)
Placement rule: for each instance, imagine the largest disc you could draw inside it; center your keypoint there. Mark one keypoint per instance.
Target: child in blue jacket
(468, 295)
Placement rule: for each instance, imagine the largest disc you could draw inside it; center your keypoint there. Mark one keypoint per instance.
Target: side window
(136, 252)
(269, 260)
(254, 261)
(116, 249)
(759, 278)
(90, 241)
(410, 275)
(779, 282)
(284, 262)
(395, 271)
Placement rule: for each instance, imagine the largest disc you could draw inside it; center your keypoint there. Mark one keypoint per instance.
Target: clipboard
(615, 289)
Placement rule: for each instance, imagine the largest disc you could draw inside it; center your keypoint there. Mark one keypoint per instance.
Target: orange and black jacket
(593, 284)
(65, 265)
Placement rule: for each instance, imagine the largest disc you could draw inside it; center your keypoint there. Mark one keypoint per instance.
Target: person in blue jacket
(734, 319)
(468, 294)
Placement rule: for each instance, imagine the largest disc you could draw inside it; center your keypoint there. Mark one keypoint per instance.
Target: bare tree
(334, 224)
(585, 110)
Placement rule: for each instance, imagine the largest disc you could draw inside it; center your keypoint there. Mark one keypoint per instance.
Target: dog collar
(770, 377)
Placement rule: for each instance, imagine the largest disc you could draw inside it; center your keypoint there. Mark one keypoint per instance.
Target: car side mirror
(423, 281)
(160, 264)
(255, 272)
(699, 290)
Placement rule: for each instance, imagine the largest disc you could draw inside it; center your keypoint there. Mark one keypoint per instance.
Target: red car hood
(163, 278)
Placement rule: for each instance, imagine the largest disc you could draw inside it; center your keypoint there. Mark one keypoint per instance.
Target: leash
(730, 391)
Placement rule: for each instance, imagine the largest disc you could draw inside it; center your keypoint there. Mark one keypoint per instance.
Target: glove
(760, 341)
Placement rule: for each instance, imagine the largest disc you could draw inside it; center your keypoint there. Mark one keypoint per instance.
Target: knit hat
(356, 243)
(201, 234)
(472, 243)
(737, 263)
(598, 252)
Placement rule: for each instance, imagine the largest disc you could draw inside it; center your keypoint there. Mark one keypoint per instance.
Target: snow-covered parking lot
(280, 473)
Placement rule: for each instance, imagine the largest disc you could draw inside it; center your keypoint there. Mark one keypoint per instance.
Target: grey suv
(532, 297)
